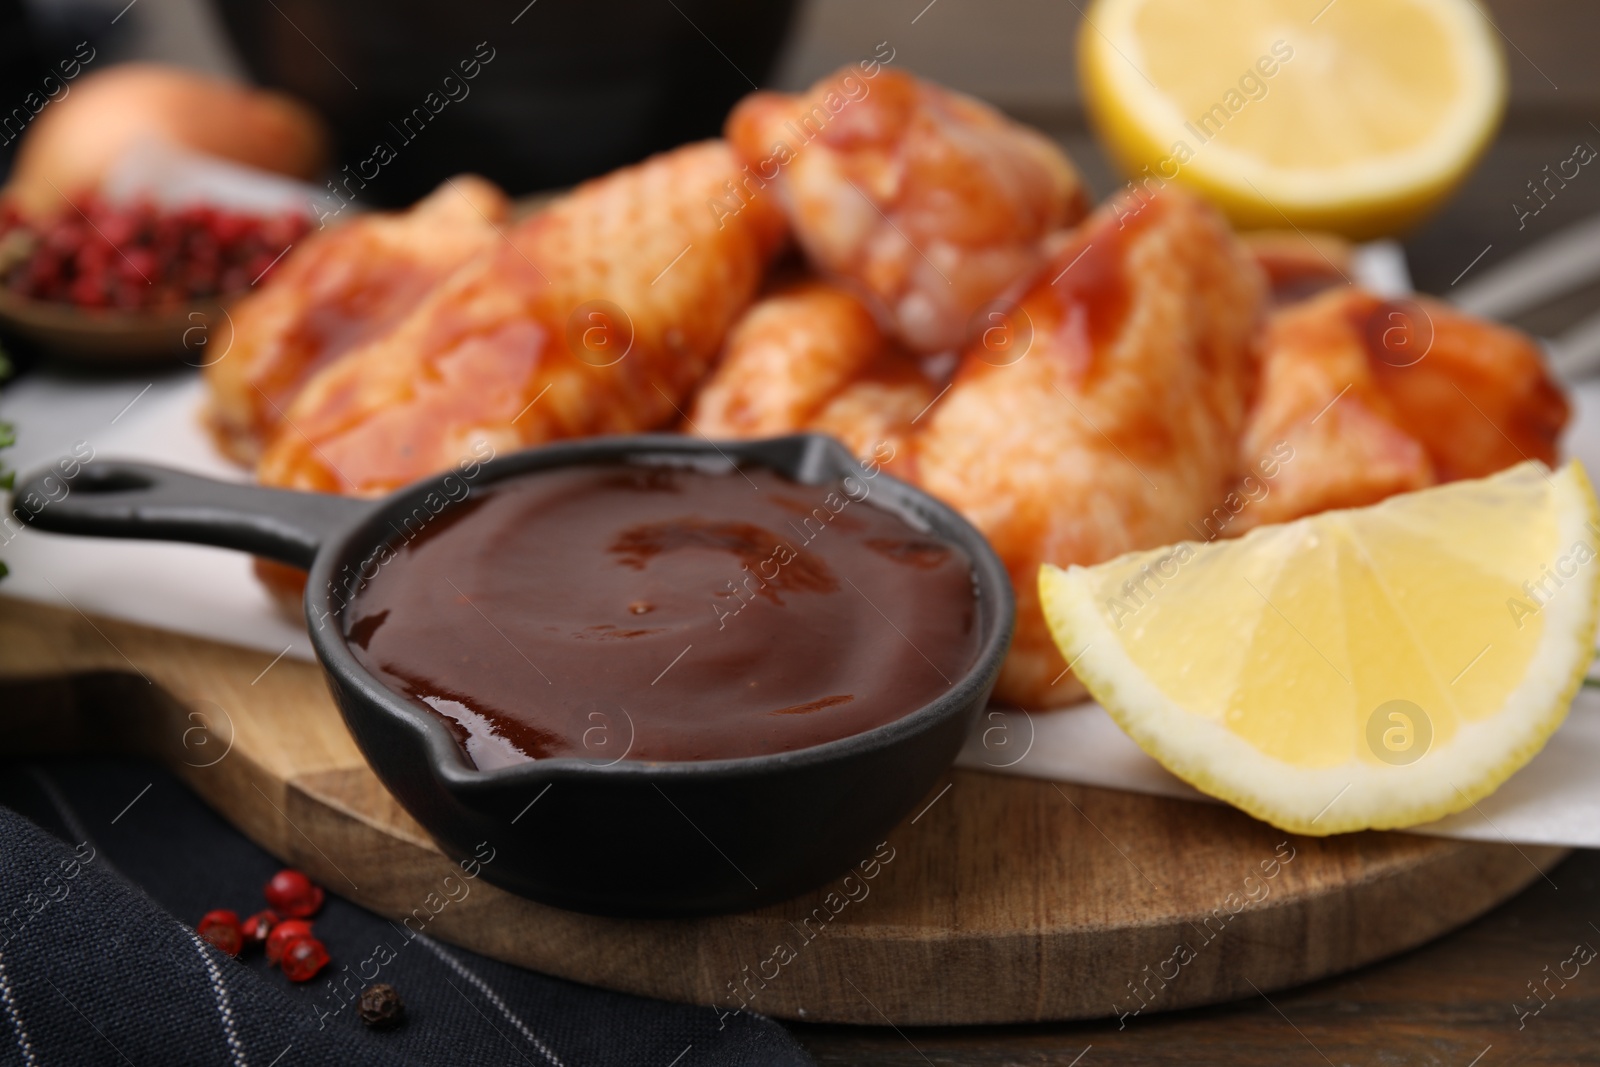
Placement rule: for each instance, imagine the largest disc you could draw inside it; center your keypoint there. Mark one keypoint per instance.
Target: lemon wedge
(1356, 116)
(1372, 667)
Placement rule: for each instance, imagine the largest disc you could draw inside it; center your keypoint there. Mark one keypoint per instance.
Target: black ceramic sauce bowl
(624, 838)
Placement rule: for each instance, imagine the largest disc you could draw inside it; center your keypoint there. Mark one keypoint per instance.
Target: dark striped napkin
(106, 864)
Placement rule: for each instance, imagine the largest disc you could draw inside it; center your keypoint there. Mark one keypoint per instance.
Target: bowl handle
(141, 500)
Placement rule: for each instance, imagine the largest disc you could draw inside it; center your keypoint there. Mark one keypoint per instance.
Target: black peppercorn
(380, 1006)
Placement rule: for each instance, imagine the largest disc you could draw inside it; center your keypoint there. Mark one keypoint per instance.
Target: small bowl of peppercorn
(133, 281)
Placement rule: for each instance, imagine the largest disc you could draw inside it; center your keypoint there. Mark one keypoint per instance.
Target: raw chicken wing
(1118, 426)
(930, 202)
(597, 315)
(335, 292)
(1479, 400)
(1362, 398)
(811, 357)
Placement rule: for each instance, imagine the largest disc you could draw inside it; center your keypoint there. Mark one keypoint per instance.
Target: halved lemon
(1372, 667)
(1356, 116)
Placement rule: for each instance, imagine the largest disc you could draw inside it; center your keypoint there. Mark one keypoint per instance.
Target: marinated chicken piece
(1480, 399)
(1322, 433)
(1118, 425)
(874, 415)
(338, 290)
(1362, 398)
(596, 315)
(930, 202)
(812, 357)
(1301, 265)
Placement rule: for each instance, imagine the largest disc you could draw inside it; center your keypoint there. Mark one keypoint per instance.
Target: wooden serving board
(1002, 900)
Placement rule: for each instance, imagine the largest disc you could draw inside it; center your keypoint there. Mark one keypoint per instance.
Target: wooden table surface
(1463, 1000)
(1455, 1002)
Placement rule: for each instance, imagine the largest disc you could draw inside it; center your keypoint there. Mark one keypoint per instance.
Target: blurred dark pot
(572, 89)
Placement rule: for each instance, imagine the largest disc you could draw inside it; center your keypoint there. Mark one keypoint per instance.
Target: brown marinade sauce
(666, 613)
